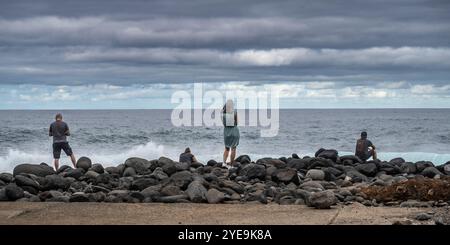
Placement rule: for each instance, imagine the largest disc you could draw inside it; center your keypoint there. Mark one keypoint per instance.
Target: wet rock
(397, 161)
(140, 165)
(315, 174)
(252, 171)
(167, 165)
(368, 169)
(286, 176)
(6, 177)
(84, 163)
(13, 192)
(129, 172)
(98, 168)
(211, 163)
(181, 179)
(421, 165)
(25, 181)
(196, 192)
(38, 170)
(75, 173)
(322, 200)
(214, 196)
(244, 159)
(430, 172)
(142, 183)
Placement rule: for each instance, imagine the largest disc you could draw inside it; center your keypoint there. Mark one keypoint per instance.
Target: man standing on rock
(59, 130)
(364, 148)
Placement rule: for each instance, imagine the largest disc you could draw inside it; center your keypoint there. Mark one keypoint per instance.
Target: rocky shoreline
(322, 181)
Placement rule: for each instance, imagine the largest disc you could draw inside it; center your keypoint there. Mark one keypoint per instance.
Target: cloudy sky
(135, 54)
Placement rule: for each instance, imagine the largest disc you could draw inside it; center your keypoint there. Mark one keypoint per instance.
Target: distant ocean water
(111, 136)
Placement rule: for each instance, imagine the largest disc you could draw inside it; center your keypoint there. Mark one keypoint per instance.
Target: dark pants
(58, 146)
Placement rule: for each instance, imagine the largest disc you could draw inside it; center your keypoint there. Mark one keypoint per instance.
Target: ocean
(111, 136)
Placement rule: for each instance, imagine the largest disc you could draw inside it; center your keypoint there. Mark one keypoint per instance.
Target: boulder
(211, 163)
(140, 165)
(421, 165)
(243, 159)
(276, 163)
(354, 159)
(319, 162)
(84, 163)
(173, 199)
(447, 169)
(6, 177)
(152, 191)
(129, 172)
(91, 174)
(423, 216)
(3, 196)
(142, 183)
(286, 176)
(75, 173)
(397, 161)
(252, 171)
(38, 170)
(327, 154)
(322, 200)
(63, 168)
(13, 192)
(430, 172)
(214, 196)
(168, 165)
(389, 168)
(315, 174)
(98, 168)
(297, 163)
(312, 186)
(181, 179)
(196, 192)
(25, 181)
(408, 168)
(55, 182)
(368, 169)
(114, 170)
(171, 190)
(159, 174)
(356, 176)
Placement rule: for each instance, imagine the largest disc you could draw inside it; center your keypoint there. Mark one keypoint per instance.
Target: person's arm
(50, 133)
(371, 145)
(67, 133)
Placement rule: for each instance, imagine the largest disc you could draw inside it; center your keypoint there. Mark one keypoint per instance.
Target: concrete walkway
(157, 213)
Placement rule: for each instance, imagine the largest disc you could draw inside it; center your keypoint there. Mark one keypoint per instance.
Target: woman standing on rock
(230, 131)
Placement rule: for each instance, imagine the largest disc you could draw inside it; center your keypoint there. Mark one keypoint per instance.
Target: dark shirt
(59, 130)
(186, 157)
(362, 148)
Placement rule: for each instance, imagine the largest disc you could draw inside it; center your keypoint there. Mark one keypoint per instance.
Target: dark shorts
(61, 145)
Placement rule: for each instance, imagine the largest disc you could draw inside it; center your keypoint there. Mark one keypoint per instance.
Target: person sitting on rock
(59, 130)
(187, 156)
(364, 148)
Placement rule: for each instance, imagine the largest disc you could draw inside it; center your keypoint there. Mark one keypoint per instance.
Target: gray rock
(397, 161)
(79, 197)
(421, 165)
(168, 165)
(327, 154)
(196, 192)
(25, 181)
(98, 168)
(447, 169)
(214, 196)
(356, 176)
(352, 158)
(91, 174)
(113, 170)
(142, 183)
(13, 192)
(181, 179)
(408, 168)
(414, 204)
(297, 163)
(312, 186)
(322, 200)
(140, 165)
(38, 170)
(129, 171)
(211, 163)
(159, 174)
(172, 199)
(423, 216)
(84, 163)
(152, 191)
(75, 173)
(3, 196)
(252, 171)
(244, 159)
(6, 177)
(181, 166)
(286, 175)
(171, 190)
(315, 174)
(430, 172)
(55, 182)
(368, 169)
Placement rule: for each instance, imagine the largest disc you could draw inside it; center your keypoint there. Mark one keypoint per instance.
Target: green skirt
(231, 136)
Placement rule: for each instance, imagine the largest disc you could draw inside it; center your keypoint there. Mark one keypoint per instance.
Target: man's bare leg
(374, 154)
(233, 155)
(225, 155)
(74, 161)
(56, 163)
